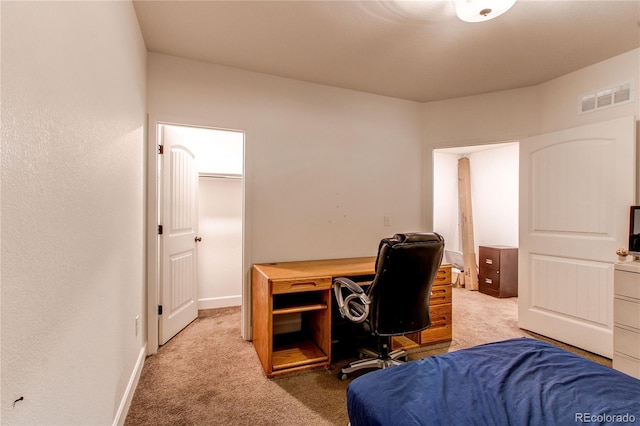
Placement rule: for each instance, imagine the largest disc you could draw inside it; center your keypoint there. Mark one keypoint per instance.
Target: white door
(576, 187)
(179, 219)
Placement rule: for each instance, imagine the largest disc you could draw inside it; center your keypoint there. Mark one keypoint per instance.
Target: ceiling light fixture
(481, 10)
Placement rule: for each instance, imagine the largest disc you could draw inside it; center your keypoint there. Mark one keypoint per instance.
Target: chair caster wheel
(342, 376)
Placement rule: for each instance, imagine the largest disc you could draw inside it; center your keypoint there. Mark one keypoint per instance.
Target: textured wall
(73, 111)
(323, 165)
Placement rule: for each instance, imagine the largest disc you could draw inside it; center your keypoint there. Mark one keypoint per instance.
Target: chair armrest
(355, 306)
(350, 284)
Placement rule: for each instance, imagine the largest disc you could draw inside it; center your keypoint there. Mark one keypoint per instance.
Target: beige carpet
(208, 375)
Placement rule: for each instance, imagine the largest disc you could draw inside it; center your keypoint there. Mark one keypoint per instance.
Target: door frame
(152, 219)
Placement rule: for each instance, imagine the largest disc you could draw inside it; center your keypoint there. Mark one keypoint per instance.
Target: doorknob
(198, 239)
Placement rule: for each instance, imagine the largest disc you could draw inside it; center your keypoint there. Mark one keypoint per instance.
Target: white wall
(514, 115)
(73, 115)
(323, 165)
(559, 98)
(494, 194)
(220, 251)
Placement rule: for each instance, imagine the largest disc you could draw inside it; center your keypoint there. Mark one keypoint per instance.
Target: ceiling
(415, 50)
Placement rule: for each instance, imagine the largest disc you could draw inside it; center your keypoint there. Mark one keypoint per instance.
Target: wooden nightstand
(626, 318)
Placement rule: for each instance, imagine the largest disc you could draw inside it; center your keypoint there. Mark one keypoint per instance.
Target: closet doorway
(494, 193)
(217, 206)
(219, 158)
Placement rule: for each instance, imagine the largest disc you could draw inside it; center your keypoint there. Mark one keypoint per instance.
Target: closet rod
(219, 176)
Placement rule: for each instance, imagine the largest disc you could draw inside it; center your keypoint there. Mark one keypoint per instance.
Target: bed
(520, 381)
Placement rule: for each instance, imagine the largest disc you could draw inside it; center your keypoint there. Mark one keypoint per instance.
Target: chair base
(373, 359)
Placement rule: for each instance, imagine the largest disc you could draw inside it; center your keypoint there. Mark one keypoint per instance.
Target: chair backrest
(406, 266)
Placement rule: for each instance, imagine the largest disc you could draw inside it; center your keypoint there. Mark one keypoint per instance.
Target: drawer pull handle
(488, 281)
(488, 261)
(311, 283)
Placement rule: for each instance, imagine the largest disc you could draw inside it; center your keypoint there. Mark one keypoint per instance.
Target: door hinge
(159, 309)
(161, 149)
(159, 229)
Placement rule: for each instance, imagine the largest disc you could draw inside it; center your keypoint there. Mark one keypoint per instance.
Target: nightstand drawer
(626, 341)
(626, 312)
(627, 284)
(626, 364)
(294, 286)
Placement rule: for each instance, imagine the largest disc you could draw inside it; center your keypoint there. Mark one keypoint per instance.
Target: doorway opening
(209, 208)
(219, 159)
(494, 193)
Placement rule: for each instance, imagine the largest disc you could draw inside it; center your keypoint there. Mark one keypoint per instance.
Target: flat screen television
(634, 231)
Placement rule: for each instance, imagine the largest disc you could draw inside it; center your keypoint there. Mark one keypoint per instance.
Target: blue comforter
(515, 382)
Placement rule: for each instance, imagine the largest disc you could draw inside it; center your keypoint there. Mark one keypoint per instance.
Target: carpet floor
(209, 375)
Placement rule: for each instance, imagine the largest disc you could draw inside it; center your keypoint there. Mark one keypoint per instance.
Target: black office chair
(397, 301)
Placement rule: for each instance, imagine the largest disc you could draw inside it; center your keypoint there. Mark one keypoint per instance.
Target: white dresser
(626, 318)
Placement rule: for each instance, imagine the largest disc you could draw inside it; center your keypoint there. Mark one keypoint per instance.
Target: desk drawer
(443, 276)
(440, 315)
(440, 330)
(295, 286)
(440, 294)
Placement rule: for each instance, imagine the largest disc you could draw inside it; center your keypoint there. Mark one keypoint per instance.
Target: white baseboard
(123, 409)
(219, 302)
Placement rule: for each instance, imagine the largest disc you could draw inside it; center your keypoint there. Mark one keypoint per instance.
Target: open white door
(179, 219)
(576, 187)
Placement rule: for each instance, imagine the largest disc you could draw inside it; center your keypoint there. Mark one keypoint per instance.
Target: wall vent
(605, 98)
(622, 94)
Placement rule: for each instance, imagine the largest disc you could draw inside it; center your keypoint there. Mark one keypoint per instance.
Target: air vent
(588, 103)
(622, 94)
(605, 98)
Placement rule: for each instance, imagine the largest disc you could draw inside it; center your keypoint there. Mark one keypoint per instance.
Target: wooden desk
(305, 288)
